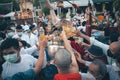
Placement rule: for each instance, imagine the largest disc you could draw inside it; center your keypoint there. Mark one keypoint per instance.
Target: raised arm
(79, 59)
(69, 48)
(78, 33)
(54, 17)
(93, 41)
(38, 66)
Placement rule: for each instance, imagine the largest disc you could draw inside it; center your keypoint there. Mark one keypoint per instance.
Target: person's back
(66, 71)
(66, 63)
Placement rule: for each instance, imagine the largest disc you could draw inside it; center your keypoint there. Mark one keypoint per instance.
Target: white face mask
(10, 34)
(115, 25)
(12, 58)
(13, 28)
(19, 34)
(35, 32)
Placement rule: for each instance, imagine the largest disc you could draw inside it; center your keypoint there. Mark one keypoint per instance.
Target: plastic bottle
(42, 32)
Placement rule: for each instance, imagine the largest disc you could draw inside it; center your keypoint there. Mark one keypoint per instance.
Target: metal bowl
(52, 49)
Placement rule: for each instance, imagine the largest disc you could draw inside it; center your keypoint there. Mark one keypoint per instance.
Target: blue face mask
(12, 58)
(10, 34)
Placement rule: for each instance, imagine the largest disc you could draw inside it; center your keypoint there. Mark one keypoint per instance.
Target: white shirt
(104, 47)
(27, 62)
(95, 42)
(113, 74)
(31, 50)
(82, 27)
(25, 27)
(87, 76)
(32, 39)
(28, 50)
(115, 67)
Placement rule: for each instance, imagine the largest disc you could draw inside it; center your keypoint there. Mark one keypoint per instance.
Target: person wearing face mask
(13, 26)
(30, 37)
(111, 51)
(9, 33)
(19, 32)
(33, 35)
(29, 74)
(13, 60)
(36, 32)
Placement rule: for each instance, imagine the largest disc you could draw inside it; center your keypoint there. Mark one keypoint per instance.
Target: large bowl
(52, 49)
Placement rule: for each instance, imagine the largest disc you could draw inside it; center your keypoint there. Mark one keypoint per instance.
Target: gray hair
(63, 59)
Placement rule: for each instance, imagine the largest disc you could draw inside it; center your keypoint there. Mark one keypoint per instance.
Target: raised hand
(78, 33)
(43, 43)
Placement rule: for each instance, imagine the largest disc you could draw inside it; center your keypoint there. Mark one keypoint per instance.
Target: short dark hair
(25, 44)
(114, 36)
(31, 27)
(48, 72)
(2, 35)
(102, 67)
(19, 27)
(10, 42)
(83, 23)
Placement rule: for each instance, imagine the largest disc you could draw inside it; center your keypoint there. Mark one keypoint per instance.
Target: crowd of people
(28, 51)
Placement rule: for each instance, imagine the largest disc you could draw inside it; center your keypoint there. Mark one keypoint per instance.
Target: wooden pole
(89, 21)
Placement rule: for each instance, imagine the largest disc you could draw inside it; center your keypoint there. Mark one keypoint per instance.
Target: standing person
(31, 38)
(66, 63)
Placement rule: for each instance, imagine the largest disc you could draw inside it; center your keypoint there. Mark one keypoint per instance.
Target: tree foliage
(46, 11)
(116, 4)
(4, 9)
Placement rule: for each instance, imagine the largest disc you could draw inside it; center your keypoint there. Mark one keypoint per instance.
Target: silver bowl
(52, 49)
